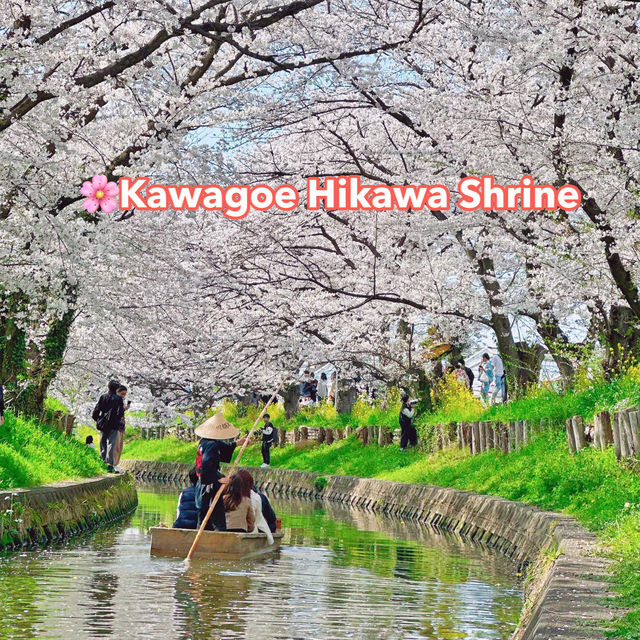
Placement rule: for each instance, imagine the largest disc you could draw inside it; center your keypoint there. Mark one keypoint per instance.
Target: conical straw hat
(217, 428)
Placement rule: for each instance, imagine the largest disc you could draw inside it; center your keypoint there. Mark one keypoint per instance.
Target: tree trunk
(620, 334)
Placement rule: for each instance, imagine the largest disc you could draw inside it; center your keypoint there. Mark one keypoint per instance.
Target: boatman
(217, 444)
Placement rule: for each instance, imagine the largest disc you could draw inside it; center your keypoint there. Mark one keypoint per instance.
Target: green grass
(32, 454)
(166, 450)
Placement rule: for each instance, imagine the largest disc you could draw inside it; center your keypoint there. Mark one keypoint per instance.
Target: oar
(216, 498)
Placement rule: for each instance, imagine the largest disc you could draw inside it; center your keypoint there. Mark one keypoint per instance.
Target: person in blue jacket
(187, 516)
(217, 444)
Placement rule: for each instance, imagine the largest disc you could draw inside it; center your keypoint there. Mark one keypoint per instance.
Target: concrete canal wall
(58, 511)
(564, 597)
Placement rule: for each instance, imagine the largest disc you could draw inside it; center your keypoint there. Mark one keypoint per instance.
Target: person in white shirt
(323, 388)
(499, 376)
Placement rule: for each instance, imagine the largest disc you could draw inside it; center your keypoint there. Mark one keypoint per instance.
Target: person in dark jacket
(268, 439)
(470, 373)
(187, 516)
(408, 433)
(108, 414)
(217, 444)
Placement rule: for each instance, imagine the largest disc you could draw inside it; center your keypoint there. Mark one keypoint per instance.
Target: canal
(340, 574)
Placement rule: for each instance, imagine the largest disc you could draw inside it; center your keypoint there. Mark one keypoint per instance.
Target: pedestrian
(499, 377)
(313, 391)
(187, 514)
(485, 376)
(305, 385)
(268, 439)
(408, 433)
(323, 388)
(108, 413)
(462, 376)
(468, 372)
(217, 444)
(333, 388)
(90, 443)
(117, 454)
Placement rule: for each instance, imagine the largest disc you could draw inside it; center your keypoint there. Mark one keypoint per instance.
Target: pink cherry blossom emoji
(100, 193)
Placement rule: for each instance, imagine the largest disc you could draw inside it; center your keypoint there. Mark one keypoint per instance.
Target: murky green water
(340, 574)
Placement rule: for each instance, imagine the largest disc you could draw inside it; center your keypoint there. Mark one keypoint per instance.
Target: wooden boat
(216, 545)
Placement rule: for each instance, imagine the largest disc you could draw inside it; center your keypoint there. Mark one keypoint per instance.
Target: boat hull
(217, 545)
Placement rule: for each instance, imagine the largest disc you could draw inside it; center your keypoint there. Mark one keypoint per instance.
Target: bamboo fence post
(606, 432)
(490, 436)
(518, 434)
(597, 432)
(511, 440)
(483, 437)
(329, 436)
(577, 423)
(617, 443)
(475, 438)
(371, 435)
(628, 433)
(634, 421)
(570, 436)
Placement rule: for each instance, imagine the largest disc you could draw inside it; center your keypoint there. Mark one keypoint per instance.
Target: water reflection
(340, 574)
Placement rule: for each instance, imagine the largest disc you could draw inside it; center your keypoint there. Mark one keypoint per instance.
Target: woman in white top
(261, 525)
(323, 388)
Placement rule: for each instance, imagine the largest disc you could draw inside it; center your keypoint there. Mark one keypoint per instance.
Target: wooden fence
(623, 432)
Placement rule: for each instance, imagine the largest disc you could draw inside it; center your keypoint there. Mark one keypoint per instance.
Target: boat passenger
(237, 504)
(268, 512)
(187, 515)
(261, 525)
(217, 445)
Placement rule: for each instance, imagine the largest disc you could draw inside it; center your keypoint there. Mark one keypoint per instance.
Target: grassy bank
(32, 454)
(603, 495)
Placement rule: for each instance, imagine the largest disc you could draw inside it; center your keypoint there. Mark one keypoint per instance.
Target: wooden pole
(216, 498)
(578, 432)
(634, 420)
(570, 437)
(625, 425)
(606, 432)
(617, 440)
(475, 438)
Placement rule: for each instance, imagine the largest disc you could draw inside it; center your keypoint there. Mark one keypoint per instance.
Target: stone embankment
(568, 585)
(58, 511)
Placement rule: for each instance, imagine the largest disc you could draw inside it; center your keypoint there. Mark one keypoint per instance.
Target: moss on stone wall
(59, 511)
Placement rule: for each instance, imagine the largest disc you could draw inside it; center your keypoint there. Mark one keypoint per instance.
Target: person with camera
(408, 433)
